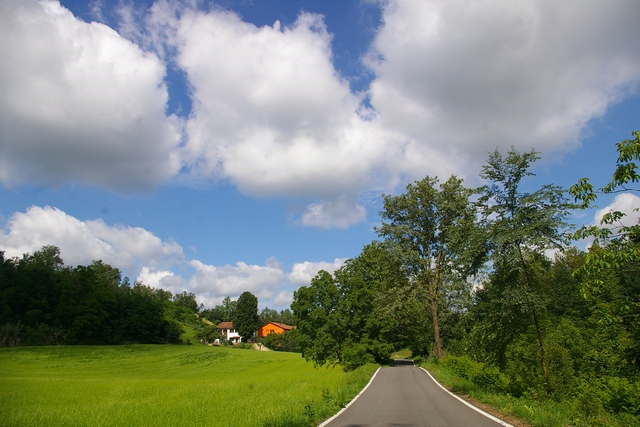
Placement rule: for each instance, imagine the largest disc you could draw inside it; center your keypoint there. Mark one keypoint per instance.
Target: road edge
(328, 420)
(491, 417)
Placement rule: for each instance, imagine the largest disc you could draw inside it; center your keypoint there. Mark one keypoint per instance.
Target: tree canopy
(246, 320)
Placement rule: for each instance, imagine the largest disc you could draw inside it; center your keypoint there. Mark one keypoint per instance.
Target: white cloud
(460, 78)
(270, 111)
(212, 283)
(283, 299)
(333, 214)
(627, 203)
(80, 103)
(277, 119)
(81, 242)
(302, 273)
(154, 278)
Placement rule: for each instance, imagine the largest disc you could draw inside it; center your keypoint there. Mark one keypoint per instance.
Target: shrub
(356, 355)
(486, 377)
(614, 394)
(10, 334)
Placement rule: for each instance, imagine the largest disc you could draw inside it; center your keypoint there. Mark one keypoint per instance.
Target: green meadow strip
(168, 386)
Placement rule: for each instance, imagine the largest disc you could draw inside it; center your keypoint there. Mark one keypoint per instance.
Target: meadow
(165, 385)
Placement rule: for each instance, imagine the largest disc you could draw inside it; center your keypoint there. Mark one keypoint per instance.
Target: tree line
(42, 301)
(490, 278)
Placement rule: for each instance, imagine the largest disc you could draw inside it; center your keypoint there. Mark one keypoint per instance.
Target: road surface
(404, 396)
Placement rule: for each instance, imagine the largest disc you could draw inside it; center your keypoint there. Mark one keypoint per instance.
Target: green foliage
(431, 230)
(246, 320)
(520, 227)
(43, 302)
(10, 334)
(484, 376)
(288, 341)
(344, 319)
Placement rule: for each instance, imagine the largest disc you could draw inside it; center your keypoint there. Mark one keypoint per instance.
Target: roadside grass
(168, 386)
(527, 412)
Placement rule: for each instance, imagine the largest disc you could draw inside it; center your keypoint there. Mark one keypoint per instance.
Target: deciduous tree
(521, 226)
(431, 230)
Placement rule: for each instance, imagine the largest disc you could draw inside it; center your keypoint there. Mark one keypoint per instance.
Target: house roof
(280, 325)
(225, 325)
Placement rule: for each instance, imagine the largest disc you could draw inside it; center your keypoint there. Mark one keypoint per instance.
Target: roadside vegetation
(485, 384)
(489, 286)
(162, 385)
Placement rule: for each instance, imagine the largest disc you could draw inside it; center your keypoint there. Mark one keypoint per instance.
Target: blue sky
(219, 147)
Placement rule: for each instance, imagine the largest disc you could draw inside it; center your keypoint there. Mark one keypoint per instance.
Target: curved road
(405, 396)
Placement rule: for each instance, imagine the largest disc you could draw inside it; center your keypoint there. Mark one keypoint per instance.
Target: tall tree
(521, 226)
(321, 332)
(246, 320)
(612, 265)
(345, 319)
(431, 231)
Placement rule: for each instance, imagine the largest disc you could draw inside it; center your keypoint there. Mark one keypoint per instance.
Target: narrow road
(405, 396)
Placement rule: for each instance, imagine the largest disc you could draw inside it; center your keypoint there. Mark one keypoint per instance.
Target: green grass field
(155, 385)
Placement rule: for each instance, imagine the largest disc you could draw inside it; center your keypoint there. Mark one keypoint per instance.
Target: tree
(345, 319)
(432, 232)
(269, 315)
(320, 329)
(612, 265)
(187, 300)
(246, 320)
(520, 227)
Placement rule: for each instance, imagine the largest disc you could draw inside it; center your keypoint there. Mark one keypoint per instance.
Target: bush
(288, 341)
(486, 377)
(356, 355)
(10, 334)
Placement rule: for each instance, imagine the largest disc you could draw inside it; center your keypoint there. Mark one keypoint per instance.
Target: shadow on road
(403, 362)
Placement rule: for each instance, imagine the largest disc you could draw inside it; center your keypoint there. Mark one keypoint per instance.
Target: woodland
(491, 284)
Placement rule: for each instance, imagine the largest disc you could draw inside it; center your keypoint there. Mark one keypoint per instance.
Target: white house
(227, 330)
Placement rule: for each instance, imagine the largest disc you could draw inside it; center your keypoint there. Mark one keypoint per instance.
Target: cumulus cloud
(283, 299)
(302, 273)
(277, 119)
(81, 242)
(80, 103)
(333, 214)
(461, 78)
(272, 114)
(213, 283)
(627, 203)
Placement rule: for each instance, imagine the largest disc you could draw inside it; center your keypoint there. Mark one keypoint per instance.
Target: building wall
(269, 328)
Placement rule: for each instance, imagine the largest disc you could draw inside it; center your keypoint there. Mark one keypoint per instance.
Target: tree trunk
(433, 297)
(436, 325)
(543, 362)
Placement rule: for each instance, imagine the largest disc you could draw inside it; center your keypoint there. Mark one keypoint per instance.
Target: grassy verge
(168, 386)
(524, 412)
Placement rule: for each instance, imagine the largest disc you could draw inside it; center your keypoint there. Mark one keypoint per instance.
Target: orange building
(273, 328)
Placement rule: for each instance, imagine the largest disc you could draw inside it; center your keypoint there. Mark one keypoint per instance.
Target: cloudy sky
(233, 145)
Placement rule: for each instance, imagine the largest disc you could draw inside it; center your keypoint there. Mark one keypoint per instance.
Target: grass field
(155, 385)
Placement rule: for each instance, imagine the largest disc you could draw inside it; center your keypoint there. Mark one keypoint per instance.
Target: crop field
(156, 385)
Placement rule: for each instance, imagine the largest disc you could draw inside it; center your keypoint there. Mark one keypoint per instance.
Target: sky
(218, 147)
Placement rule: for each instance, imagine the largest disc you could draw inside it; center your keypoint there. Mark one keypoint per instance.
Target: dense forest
(44, 302)
(490, 282)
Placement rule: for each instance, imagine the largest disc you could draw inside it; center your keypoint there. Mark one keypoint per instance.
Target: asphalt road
(405, 396)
